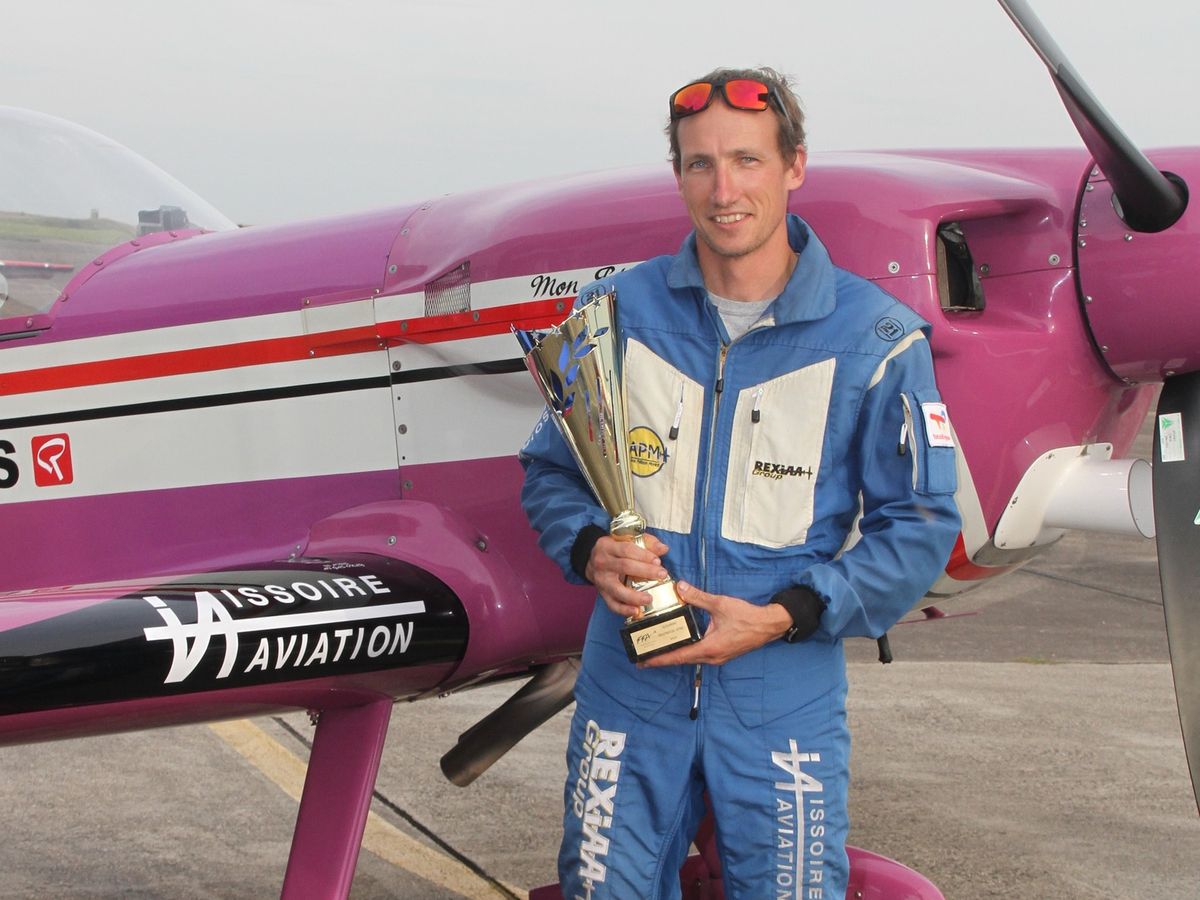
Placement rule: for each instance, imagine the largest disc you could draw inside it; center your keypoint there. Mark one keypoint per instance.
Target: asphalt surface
(1028, 747)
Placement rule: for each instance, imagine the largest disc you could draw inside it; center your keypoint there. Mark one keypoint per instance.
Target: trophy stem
(663, 596)
(666, 622)
(627, 525)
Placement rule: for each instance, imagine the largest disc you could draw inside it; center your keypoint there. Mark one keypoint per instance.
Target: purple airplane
(263, 469)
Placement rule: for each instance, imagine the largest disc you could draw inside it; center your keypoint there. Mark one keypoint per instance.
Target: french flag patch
(937, 425)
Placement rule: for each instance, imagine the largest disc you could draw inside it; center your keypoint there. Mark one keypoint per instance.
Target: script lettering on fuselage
(605, 271)
(549, 284)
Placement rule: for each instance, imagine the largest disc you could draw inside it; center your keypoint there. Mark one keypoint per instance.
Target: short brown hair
(790, 115)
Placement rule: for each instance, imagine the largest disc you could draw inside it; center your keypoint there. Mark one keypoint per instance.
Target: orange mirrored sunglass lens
(741, 93)
(692, 98)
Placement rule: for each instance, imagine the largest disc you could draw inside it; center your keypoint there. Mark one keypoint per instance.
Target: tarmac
(1026, 745)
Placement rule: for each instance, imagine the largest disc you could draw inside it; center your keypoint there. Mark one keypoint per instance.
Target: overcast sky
(280, 109)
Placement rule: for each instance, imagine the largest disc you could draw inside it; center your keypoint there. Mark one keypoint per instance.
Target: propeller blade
(1177, 517)
(1149, 200)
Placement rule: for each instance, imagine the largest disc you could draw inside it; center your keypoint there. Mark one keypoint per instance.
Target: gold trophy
(579, 369)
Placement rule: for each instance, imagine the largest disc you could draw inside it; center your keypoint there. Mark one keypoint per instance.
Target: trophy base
(657, 633)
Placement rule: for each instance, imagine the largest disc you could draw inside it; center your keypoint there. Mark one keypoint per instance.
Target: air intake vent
(451, 293)
(959, 286)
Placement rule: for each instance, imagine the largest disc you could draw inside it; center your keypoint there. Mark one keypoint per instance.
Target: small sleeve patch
(937, 425)
(889, 329)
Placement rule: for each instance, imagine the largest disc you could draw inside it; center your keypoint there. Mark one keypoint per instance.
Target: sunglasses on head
(739, 93)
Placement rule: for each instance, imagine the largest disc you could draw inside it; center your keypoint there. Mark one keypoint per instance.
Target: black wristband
(581, 550)
(805, 608)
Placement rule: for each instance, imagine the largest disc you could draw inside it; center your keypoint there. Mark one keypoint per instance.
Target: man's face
(734, 180)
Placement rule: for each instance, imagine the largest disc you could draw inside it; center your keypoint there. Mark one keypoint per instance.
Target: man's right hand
(612, 561)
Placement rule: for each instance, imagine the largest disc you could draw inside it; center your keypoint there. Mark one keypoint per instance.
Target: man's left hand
(735, 627)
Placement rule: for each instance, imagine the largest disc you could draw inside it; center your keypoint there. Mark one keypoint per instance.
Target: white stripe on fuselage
(484, 295)
(295, 437)
(444, 420)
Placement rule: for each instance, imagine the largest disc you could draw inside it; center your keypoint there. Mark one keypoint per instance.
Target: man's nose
(724, 189)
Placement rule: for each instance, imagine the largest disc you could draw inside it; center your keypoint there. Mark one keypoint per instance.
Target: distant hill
(25, 227)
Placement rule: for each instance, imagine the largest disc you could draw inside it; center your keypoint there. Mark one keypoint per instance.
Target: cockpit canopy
(68, 194)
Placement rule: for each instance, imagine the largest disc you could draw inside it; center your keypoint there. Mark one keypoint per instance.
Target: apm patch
(647, 454)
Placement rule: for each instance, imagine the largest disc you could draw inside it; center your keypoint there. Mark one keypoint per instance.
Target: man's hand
(736, 627)
(612, 561)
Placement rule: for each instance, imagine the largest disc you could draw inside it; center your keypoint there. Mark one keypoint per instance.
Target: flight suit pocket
(779, 679)
(775, 454)
(666, 410)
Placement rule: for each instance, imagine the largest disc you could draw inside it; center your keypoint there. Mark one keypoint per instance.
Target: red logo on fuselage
(52, 460)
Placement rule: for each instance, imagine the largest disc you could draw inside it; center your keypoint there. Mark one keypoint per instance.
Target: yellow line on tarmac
(381, 837)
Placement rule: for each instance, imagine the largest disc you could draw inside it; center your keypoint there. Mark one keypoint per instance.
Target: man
(805, 495)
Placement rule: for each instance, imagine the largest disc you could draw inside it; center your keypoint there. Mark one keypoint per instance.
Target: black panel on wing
(265, 625)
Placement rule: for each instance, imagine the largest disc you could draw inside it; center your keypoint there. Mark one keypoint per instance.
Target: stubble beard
(730, 252)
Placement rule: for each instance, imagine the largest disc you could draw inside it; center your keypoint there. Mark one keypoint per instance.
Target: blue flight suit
(812, 453)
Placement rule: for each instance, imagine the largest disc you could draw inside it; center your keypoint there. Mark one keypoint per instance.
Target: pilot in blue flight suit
(806, 494)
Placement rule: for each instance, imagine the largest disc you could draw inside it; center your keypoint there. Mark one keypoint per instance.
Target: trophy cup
(578, 367)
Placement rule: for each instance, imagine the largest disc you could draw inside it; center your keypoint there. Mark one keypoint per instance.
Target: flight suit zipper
(696, 679)
(718, 389)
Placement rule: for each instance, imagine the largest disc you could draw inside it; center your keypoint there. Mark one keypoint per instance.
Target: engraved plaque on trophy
(578, 367)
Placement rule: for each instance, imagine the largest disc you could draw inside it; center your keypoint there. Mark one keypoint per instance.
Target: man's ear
(796, 169)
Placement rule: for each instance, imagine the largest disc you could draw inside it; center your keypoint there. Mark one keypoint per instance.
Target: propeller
(1177, 518)
(1149, 200)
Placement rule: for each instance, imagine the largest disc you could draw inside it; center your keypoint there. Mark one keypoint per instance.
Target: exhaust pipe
(544, 695)
(1078, 488)
(1108, 495)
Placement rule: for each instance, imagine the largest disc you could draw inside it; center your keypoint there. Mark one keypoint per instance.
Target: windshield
(67, 195)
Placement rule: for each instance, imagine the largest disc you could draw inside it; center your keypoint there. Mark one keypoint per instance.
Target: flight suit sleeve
(903, 463)
(556, 497)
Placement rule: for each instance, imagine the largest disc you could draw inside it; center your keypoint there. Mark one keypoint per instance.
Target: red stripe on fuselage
(158, 365)
(961, 568)
(497, 320)
(427, 330)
